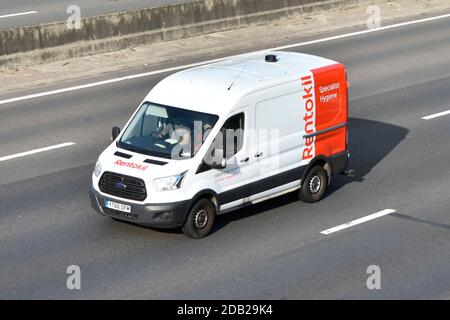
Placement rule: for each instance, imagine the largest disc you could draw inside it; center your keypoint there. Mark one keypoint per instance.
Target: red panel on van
(331, 108)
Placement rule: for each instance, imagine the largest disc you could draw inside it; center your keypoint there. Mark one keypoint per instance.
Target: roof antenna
(237, 77)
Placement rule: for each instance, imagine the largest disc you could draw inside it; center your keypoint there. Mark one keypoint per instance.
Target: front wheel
(200, 219)
(314, 186)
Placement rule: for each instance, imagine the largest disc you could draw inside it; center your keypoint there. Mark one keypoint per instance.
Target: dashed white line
(358, 221)
(27, 153)
(436, 115)
(17, 14)
(146, 74)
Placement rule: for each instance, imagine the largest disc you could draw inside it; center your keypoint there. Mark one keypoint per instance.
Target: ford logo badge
(120, 185)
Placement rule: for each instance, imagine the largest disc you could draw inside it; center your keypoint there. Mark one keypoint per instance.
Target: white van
(214, 138)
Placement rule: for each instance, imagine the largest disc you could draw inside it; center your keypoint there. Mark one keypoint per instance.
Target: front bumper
(162, 215)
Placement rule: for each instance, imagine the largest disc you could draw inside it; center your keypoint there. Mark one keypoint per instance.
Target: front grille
(122, 186)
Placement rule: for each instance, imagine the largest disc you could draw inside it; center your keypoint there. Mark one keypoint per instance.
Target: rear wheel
(314, 186)
(200, 219)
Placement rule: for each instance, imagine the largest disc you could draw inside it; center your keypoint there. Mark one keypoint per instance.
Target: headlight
(98, 169)
(169, 183)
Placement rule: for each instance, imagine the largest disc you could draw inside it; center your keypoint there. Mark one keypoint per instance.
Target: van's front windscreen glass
(167, 132)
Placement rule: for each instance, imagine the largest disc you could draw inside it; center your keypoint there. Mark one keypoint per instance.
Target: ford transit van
(214, 138)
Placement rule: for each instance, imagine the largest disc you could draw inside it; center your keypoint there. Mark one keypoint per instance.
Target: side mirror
(115, 133)
(219, 165)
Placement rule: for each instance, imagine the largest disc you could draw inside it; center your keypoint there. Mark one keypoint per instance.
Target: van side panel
(278, 128)
(331, 109)
(278, 139)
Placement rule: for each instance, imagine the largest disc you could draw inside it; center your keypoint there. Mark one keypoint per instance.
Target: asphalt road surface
(15, 13)
(272, 250)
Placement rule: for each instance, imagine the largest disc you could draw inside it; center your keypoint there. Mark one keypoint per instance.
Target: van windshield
(167, 132)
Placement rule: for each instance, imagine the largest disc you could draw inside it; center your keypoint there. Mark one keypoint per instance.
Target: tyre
(314, 186)
(200, 219)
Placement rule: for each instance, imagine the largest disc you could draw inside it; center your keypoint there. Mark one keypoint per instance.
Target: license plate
(118, 206)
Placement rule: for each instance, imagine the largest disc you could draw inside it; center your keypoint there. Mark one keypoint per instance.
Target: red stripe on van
(331, 108)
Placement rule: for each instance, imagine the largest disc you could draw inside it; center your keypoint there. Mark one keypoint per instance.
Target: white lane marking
(27, 153)
(440, 114)
(358, 221)
(17, 14)
(146, 74)
(357, 33)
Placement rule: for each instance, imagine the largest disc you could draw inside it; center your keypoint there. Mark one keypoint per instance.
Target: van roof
(216, 88)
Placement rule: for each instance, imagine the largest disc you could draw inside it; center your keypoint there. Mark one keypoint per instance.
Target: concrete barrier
(106, 33)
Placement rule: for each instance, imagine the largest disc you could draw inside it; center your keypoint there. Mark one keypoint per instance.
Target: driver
(179, 132)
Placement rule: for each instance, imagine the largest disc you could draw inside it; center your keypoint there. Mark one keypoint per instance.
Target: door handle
(245, 160)
(258, 155)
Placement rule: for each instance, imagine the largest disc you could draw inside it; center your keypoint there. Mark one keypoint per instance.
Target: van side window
(233, 134)
(227, 143)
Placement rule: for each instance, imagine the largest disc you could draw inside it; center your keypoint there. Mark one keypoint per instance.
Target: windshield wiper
(133, 148)
(143, 151)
